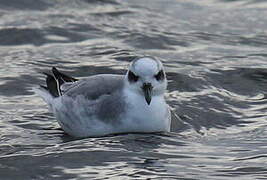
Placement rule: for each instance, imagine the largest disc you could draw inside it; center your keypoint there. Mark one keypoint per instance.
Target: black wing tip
(51, 84)
(56, 73)
(59, 75)
(54, 80)
(54, 70)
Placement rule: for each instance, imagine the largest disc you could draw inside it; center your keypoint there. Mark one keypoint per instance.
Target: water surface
(215, 55)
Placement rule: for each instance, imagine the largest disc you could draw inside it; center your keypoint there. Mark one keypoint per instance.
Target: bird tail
(45, 94)
(53, 83)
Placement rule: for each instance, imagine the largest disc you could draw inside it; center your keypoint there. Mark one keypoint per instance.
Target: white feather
(79, 109)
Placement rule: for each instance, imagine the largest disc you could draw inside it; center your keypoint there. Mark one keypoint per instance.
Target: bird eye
(160, 75)
(132, 77)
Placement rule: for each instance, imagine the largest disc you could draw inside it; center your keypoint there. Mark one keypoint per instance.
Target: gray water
(215, 56)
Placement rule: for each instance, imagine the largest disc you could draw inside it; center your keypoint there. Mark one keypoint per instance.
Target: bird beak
(147, 89)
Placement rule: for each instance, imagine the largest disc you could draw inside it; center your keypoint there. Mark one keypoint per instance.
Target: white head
(146, 76)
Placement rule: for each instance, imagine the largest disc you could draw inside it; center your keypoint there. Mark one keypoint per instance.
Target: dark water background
(215, 56)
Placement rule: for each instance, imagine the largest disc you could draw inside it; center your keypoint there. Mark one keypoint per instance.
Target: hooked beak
(147, 89)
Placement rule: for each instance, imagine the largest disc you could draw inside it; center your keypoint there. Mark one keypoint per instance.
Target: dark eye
(160, 75)
(132, 77)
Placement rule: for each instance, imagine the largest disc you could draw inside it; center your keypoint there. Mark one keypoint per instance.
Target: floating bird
(107, 104)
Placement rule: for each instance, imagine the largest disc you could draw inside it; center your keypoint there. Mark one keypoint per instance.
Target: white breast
(141, 117)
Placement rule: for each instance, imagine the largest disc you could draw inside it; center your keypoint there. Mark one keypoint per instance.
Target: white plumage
(110, 104)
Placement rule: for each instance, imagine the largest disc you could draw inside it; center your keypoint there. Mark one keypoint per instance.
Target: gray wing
(98, 95)
(94, 86)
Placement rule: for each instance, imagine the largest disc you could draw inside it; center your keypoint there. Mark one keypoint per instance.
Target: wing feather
(94, 86)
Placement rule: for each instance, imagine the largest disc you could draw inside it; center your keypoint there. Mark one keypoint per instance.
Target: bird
(110, 104)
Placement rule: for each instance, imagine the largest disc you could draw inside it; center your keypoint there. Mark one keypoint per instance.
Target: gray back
(95, 86)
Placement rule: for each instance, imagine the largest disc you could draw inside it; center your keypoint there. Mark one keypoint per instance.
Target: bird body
(109, 104)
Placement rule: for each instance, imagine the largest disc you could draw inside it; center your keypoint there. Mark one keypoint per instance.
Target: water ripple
(215, 59)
